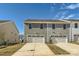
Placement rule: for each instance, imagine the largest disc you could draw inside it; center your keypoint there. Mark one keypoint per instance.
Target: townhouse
(51, 31)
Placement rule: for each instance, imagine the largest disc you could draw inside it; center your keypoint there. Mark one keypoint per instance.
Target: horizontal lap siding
(36, 31)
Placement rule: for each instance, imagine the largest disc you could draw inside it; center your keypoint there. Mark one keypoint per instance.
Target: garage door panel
(59, 40)
(36, 39)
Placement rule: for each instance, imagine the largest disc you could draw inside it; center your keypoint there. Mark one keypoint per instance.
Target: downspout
(47, 32)
(71, 31)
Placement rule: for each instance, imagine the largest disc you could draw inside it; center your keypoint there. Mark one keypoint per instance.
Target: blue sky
(20, 12)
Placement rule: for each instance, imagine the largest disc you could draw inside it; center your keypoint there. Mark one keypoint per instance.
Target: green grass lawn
(57, 50)
(9, 50)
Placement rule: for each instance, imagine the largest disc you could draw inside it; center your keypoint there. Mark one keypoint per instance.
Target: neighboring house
(8, 32)
(51, 31)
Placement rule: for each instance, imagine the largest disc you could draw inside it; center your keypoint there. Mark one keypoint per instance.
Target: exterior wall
(35, 31)
(46, 32)
(75, 31)
(58, 32)
(11, 33)
(2, 34)
(49, 33)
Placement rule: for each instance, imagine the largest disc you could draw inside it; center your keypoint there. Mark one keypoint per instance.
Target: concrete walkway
(73, 49)
(34, 49)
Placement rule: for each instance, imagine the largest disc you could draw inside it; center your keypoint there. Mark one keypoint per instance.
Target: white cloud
(72, 15)
(72, 6)
(63, 15)
(57, 15)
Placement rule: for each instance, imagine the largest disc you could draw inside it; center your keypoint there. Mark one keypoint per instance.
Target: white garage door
(59, 40)
(36, 39)
(76, 37)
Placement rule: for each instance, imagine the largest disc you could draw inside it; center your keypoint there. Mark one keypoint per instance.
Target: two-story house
(51, 31)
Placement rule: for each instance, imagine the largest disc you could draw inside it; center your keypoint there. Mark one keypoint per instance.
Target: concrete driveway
(73, 49)
(34, 49)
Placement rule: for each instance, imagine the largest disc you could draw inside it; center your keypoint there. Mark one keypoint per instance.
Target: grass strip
(57, 50)
(74, 42)
(8, 51)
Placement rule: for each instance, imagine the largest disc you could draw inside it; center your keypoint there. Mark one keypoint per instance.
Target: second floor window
(41, 26)
(64, 26)
(30, 26)
(76, 25)
(53, 26)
